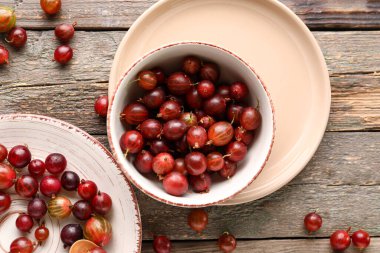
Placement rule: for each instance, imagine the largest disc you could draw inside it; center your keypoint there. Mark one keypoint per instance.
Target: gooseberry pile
(187, 126)
(48, 178)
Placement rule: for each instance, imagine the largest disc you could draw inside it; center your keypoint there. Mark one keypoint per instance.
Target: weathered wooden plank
(355, 102)
(339, 181)
(117, 14)
(345, 52)
(263, 246)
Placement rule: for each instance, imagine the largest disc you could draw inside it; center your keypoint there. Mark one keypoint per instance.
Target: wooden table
(342, 181)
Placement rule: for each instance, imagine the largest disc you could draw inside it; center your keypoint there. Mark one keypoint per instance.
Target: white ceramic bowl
(233, 69)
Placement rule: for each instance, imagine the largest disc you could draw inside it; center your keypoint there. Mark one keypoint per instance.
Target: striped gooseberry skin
(220, 134)
(131, 142)
(215, 161)
(26, 186)
(7, 19)
(98, 230)
(7, 176)
(179, 83)
(59, 207)
(135, 114)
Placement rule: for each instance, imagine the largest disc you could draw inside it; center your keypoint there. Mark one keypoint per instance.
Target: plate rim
(321, 63)
(76, 130)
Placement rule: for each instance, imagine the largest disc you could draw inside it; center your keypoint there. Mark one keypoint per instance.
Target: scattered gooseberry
(197, 220)
(65, 32)
(101, 105)
(17, 37)
(227, 243)
(162, 244)
(63, 54)
(361, 239)
(313, 222)
(340, 240)
(51, 7)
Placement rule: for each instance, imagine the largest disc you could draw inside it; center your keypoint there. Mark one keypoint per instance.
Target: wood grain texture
(340, 180)
(355, 102)
(263, 246)
(118, 14)
(345, 53)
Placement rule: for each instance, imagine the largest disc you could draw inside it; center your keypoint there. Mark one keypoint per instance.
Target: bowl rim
(73, 128)
(125, 171)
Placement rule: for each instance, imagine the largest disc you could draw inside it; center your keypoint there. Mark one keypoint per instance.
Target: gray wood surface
(116, 14)
(32, 83)
(264, 246)
(341, 181)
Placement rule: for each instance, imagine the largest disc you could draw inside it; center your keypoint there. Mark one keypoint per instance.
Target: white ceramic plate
(87, 157)
(275, 42)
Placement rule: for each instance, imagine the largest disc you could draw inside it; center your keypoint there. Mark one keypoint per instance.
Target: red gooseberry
(220, 134)
(87, 189)
(19, 156)
(227, 243)
(65, 32)
(191, 65)
(63, 54)
(131, 142)
(144, 162)
(196, 163)
(313, 222)
(134, 114)
(17, 37)
(210, 71)
(5, 201)
(147, 80)
(250, 118)
(201, 183)
(162, 244)
(178, 83)
(101, 105)
(55, 163)
(7, 176)
(361, 239)
(340, 240)
(101, 203)
(197, 220)
(51, 7)
(163, 163)
(3, 153)
(175, 183)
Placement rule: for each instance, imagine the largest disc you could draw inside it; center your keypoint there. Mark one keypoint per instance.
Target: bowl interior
(232, 69)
